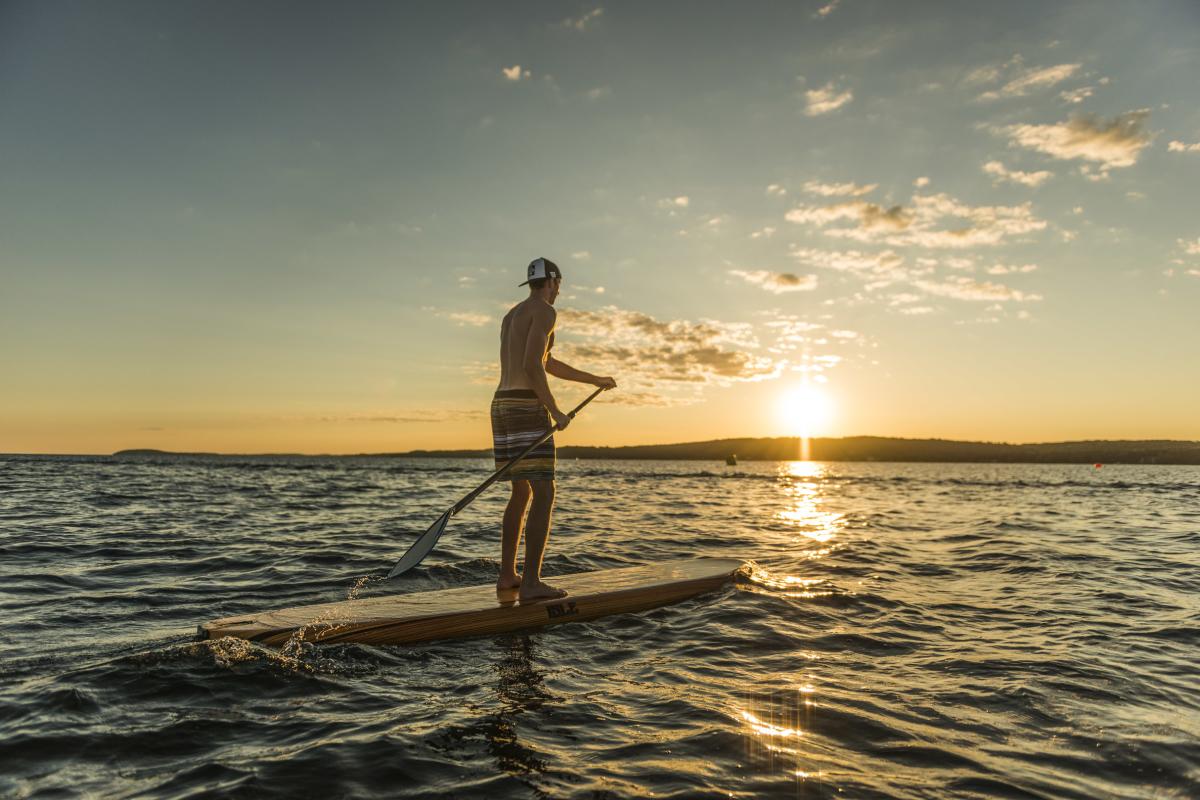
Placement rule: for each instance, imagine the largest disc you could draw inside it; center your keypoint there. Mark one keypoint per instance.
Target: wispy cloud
(406, 416)
(827, 9)
(1029, 80)
(777, 282)
(960, 287)
(839, 189)
(1002, 173)
(869, 216)
(682, 201)
(460, 317)
(581, 23)
(515, 72)
(826, 100)
(1112, 144)
(876, 269)
(1190, 247)
(1013, 269)
(1076, 96)
(1177, 146)
(776, 190)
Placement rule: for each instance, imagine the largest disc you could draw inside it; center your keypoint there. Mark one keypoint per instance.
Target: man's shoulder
(542, 311)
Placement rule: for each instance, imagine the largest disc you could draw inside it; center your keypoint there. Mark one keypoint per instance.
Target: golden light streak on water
(774, 728)
(804, 497)
(767, 729)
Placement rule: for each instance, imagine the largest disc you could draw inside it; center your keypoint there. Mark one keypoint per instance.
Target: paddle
(422, 546)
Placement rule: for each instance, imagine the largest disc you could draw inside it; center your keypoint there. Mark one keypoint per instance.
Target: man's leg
(514, 516)
(537, 534)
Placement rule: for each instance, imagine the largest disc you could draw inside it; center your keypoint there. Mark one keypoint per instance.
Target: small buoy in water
(1098, 466)
(731, 460)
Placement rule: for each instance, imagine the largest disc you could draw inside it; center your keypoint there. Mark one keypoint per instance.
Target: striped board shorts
(518, 420)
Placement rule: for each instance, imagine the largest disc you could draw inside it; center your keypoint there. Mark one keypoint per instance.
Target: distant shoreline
(850, 449)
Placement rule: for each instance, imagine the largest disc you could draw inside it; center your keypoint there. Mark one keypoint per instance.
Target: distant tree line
(856, 448)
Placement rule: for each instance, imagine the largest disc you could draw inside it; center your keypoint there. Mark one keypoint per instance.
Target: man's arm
(540, 328)
(568, 373)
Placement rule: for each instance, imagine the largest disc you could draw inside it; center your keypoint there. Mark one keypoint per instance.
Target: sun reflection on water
(774, 728)
(803, 496)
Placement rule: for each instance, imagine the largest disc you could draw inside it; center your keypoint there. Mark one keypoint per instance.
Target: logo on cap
(541, 268)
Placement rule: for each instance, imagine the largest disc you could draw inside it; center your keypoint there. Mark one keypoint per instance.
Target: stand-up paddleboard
(479, 610)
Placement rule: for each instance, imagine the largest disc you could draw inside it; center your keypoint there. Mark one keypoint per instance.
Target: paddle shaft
(498, 474)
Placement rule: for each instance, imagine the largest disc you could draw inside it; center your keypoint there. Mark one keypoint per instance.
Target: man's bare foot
(510, 580)
(540, 591)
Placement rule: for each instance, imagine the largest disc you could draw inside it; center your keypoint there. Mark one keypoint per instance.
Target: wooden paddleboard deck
(479, 610)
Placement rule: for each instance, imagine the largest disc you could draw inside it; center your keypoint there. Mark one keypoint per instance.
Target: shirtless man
(522, 410)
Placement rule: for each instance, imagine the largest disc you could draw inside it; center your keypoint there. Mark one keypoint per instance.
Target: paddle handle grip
(498, 474)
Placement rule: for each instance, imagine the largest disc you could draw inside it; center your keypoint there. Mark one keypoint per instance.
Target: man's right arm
(535, 368)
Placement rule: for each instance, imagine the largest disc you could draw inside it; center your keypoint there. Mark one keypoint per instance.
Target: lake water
(909, 631)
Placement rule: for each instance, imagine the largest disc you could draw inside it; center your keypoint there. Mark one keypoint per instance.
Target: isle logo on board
(562, 610)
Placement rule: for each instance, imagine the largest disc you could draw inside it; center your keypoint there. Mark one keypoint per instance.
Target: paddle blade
(421, 547)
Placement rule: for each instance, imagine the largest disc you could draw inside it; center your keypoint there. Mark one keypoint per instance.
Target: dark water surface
(910, 631)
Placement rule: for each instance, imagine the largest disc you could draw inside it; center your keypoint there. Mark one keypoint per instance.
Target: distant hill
(855, 448)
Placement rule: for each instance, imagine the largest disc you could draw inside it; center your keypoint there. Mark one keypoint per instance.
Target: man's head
(543, 277)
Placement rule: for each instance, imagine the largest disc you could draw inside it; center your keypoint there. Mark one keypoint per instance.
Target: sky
(295, 227)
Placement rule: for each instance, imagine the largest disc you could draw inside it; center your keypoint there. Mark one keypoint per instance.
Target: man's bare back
(514, 340)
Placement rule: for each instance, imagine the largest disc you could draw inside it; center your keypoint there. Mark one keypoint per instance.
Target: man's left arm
(568, 373)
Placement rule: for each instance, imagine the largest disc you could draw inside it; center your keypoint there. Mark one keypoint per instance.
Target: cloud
(924, 224)
(1075, 96)
(581, 23)
(461, 317)
(681, 201)
(839, 189)
(827, 9)
(825, 100)
(1183, 147)
(599, 92)
(581, 255)
(408, 416)
(651, 355)
(777, 282)
(1191, 248)
(960, 287)
(869, 215)
(1112, 144)
(763, 233)
(1002, 173)
(776, 190)
(515, 73)
(1029, 80)
(879, 269)
(921, 182)
(1005, 269)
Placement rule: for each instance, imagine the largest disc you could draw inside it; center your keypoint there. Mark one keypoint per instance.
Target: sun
(805, 410)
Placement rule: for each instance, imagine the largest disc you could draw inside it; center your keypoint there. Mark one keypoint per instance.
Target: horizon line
(398, 453)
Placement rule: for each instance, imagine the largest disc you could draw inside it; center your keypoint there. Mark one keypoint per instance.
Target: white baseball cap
(541, 268)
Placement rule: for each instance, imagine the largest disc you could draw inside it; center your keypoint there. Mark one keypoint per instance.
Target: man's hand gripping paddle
(424, 545)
